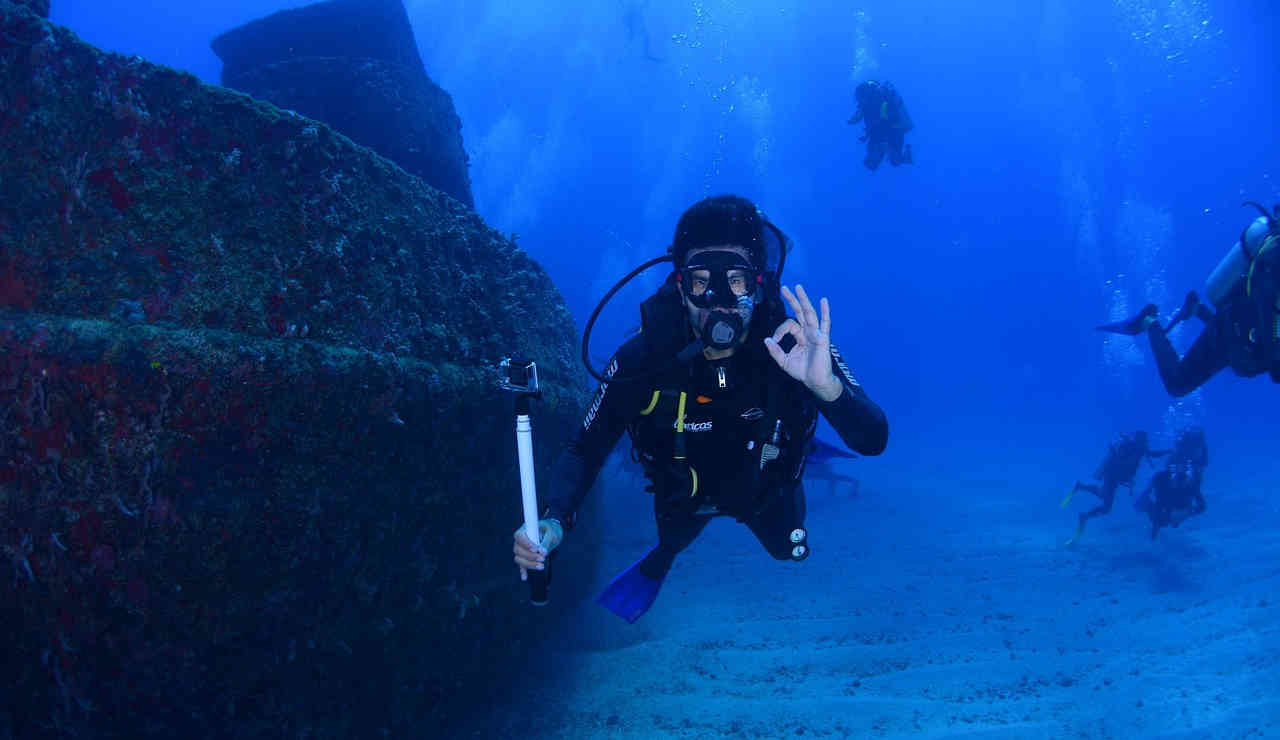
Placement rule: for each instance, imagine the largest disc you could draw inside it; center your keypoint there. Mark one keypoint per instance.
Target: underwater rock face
(256, 477)
(354, 64)
(39, 7)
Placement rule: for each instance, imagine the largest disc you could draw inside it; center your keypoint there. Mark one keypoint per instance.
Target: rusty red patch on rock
(106, 179)
(17, 288)
(161, 511)
(103, 558)
(137, 591)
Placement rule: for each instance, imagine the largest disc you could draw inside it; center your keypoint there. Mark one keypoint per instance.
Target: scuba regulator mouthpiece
(722, 329)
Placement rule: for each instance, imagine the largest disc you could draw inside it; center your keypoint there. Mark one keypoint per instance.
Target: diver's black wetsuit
(1224, 342)
(1172, 498)
(887, 123)
(729, 416)
(1118, 468)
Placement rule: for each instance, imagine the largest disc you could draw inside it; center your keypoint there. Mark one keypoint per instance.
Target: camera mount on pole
(521, 378)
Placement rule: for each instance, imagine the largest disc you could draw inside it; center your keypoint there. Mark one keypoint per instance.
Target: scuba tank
(1251, 270)
(1232, 270)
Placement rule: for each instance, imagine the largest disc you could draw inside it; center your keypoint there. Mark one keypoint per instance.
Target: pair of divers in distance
(1171, 497)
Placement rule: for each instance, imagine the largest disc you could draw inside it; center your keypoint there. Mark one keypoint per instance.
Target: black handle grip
(538, 582)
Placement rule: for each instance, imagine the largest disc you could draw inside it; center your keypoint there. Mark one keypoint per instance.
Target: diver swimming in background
(886, 121)
(720, 393)
(633, 19)
(1118, 468)
(1172, 497)
(1174, 494)
(1244, 332)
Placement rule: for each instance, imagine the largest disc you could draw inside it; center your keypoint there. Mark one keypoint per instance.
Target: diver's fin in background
(1079, 531)
(1191, 306)
(1134, 326)
(824, 452)
(632, 592)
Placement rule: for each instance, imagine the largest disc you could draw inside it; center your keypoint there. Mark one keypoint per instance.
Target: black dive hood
(663, 322)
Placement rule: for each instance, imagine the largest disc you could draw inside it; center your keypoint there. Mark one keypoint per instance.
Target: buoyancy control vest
(740, 423)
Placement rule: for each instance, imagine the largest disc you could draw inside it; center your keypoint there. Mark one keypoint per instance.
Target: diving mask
(719, 278)
(726, 285)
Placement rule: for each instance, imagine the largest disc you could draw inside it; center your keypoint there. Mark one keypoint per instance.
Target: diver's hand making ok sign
(809, 361)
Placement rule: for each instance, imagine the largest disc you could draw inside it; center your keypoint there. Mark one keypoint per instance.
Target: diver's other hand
(809, 361)
(533, 557)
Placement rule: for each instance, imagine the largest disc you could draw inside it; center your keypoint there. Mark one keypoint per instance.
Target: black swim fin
(1191, 306)
(1134, 326)
(632, 593)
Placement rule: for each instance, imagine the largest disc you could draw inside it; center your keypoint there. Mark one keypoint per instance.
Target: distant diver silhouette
(633, 19)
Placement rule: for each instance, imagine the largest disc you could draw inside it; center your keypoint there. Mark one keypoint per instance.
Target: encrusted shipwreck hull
(256, 477)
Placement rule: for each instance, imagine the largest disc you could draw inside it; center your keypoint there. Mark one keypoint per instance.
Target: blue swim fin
(632, 592)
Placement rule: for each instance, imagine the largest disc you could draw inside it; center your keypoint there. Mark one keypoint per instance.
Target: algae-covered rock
(39, 7)
(256, 476)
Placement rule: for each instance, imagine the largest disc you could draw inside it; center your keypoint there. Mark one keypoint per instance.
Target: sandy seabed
(969, 620)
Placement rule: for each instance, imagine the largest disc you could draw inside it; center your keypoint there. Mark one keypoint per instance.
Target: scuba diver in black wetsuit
(720, 393)
(1118, 468)
(1172, 497)
(1174, 494)
(1244, 332)
(884, 113)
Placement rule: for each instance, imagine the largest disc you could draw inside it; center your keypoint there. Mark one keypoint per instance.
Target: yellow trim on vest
(1268, 244)
(694, 473)
(680, 413)
(653, 404)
